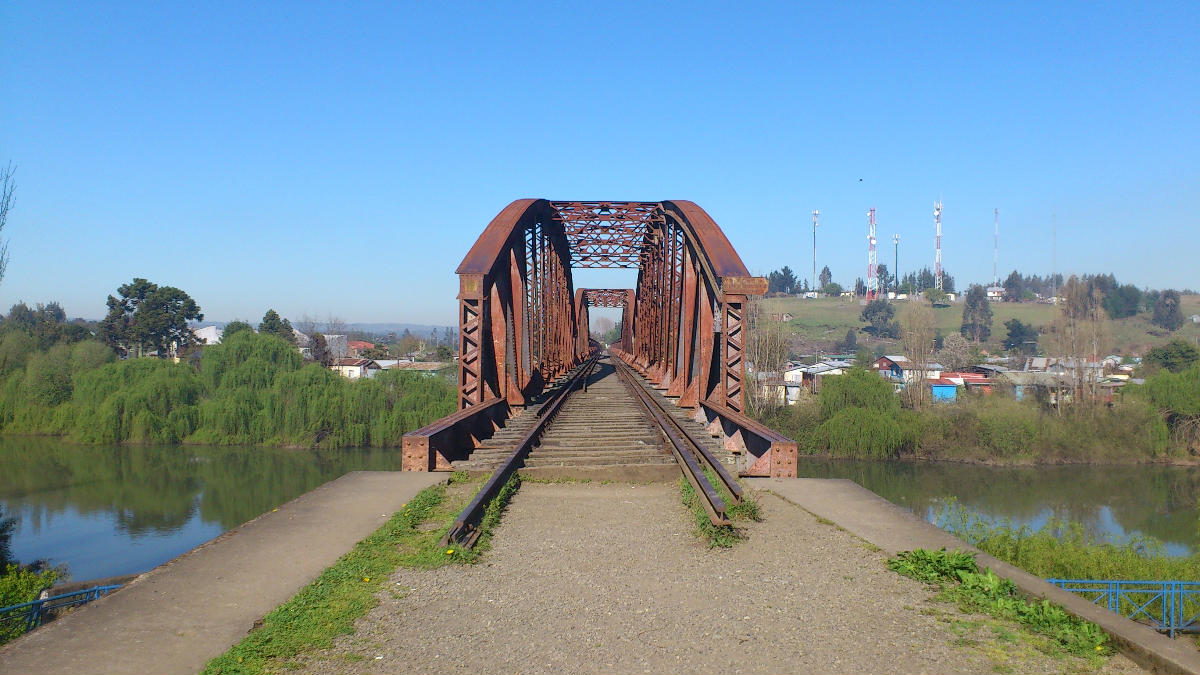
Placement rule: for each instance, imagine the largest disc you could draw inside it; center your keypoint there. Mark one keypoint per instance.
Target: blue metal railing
(34, 612)
(1168, 606)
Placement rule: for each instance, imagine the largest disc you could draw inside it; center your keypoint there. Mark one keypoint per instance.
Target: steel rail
(682, 449)
(697, 448)
(465, 530)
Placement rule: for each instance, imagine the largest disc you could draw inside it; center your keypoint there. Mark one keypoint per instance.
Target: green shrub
(857, 388)
(858, 432)
(18, 585)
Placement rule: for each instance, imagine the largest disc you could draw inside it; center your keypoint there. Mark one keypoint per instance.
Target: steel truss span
(522, 324)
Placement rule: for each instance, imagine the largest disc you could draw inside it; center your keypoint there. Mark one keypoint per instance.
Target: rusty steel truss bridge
(523, 326)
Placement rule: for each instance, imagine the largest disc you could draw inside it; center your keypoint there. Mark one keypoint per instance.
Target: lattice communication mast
(872, 275)
(937, 259)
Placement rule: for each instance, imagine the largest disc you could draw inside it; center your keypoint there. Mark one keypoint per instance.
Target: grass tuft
(962, 582)
(719, 536)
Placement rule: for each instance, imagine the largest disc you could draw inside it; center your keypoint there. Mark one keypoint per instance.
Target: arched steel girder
(521, 324)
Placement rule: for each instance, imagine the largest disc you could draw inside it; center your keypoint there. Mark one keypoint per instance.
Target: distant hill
(818, 325)
(418, 329)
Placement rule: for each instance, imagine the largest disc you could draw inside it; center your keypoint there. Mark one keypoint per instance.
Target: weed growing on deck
(719, 536)
(961, 582)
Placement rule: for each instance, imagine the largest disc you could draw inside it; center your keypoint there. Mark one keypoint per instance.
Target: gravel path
(610, 579)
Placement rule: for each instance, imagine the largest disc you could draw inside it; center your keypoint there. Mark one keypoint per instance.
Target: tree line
(785, 281)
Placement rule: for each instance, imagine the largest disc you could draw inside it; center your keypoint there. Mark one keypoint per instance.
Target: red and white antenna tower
(937, 260)
(872, 276)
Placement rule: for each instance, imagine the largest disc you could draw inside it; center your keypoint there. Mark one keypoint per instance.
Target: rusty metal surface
(608, 234)
(681, 447)
(607, 297)
(522, 323)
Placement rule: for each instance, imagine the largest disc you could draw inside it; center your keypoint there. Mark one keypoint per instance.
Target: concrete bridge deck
(588, 578)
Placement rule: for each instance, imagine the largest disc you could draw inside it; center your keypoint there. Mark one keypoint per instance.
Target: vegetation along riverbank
(858, 415)
(252, 389)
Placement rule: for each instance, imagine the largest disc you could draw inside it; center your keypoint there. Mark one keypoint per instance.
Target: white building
(355, 368)
(209, 335)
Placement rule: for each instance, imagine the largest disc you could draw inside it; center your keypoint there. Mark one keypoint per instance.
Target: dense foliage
(250, 389)
(977, 315)
(1175, 356)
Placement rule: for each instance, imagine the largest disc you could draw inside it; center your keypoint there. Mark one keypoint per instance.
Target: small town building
(355, 368)
(995, 292)
(355, 348)
(899, 369)
(944, 390)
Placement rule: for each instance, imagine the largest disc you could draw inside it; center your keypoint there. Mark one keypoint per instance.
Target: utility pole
(937, 260)
(814, 276)
(896, 263)
(996, 250)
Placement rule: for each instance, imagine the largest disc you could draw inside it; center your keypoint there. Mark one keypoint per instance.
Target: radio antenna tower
(872, 277)
(937, 260)
(814, 276)
(996, 250)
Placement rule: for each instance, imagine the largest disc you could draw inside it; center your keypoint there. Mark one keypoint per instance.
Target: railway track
(620, 421)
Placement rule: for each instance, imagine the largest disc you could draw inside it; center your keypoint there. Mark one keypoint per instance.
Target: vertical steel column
(470, 331)
(684, 376)
(733, 363)
(705, 334)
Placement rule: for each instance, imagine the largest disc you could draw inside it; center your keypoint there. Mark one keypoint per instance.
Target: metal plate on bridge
(744, 285)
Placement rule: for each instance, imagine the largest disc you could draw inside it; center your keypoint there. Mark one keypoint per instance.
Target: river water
(107, 511)
(1117, 501)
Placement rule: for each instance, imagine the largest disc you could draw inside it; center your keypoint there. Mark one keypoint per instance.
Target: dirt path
(609, 579)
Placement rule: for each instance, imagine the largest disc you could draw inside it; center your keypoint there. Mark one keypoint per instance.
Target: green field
(819, 324)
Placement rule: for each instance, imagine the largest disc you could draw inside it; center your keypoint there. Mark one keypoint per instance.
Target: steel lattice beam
(522, 323)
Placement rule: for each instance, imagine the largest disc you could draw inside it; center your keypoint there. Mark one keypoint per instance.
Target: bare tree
(335, 326)
(956, 352)
(767, 348)
(918, 331)
(1080, 333)
(7, 187)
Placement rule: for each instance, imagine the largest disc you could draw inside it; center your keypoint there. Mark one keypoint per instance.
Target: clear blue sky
(323, 160)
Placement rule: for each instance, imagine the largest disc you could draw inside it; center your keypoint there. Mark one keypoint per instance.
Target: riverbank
(251, 389)
(858, 415)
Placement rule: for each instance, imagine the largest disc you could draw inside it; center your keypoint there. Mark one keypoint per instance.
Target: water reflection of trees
(1159, 501)
(151, 490)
